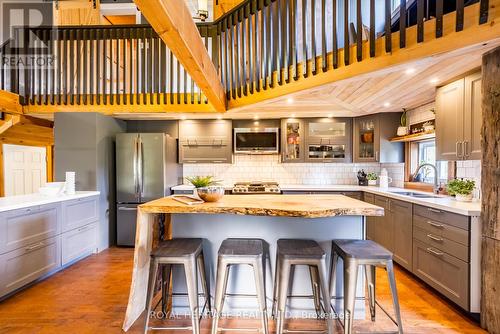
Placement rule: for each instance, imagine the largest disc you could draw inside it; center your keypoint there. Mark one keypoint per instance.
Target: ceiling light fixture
(293, 115)
(256, 118)
(434, 81)
(183, 117)
(387, 104)
(330, 115)
(289, 100)
(219, 117)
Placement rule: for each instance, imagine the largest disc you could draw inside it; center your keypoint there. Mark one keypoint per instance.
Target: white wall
(269, 168)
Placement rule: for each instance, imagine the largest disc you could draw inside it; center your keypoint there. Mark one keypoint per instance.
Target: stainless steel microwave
(256, 140)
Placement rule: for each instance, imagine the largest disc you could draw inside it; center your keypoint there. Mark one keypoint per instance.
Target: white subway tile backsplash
(270, 168)
(470, 169)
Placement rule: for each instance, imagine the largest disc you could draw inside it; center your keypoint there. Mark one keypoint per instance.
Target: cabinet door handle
(430, 236)
(432, 251)
(376, 156)
(434, 210)
(33, 247)
(466, 149)
(435, 224)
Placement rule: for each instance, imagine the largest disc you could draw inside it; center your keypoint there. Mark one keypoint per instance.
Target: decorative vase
(372, 182)
(463, 198)
(402, 131)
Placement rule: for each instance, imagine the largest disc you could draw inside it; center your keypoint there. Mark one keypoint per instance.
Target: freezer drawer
(125, 224)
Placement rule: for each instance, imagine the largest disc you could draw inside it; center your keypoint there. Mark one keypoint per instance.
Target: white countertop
(25, 201)
(445, 203)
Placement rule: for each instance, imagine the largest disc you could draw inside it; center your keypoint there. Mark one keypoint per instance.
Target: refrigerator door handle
(124, 208)
(140, 168)
(136, 190)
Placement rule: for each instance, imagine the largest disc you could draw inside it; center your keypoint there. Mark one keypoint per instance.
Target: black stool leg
(370, 282)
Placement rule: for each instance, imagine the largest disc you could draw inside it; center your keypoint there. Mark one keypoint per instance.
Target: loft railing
(258, 46)
(263, 44)
(96, 65)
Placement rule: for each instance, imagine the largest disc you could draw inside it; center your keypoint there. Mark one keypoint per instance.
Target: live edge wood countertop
(304, 206)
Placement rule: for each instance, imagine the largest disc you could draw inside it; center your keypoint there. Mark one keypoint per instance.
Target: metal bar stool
(293, 252)
(236, 252)
(189, 253)
(369, 254)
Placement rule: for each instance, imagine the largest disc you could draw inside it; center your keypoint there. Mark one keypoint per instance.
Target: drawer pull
(434, 210)
(432, 251)
(33, 247)
(435, 224)
(430, 236)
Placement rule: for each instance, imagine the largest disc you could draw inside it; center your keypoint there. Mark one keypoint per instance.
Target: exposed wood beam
(9, 103)
(472, 34)
(172, 21)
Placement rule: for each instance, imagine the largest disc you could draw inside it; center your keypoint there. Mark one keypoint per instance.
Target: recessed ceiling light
(289, 100)
(256, 117)
(387, 104)
(411, 70)
(293, 115)
(256, 123)
(434, 81)
(330, 115)
(219, 117)
(183, 117)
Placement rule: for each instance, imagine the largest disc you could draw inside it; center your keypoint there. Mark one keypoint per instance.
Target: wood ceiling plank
(173, 22)
(9, 103)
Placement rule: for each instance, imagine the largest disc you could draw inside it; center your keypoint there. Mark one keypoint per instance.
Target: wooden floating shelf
(415, 137)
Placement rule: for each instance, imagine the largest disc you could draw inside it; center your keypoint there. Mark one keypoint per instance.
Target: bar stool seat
(298, 248)
(183, 247)
(293, 252)
(370, 255)
(187, 252)
(361, 249)
(240, 252)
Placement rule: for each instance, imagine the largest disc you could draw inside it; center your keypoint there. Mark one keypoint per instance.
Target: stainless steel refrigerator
(146, 169)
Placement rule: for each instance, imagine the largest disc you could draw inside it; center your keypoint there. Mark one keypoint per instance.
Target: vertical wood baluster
(359, 32)
(305, 64)
(161, 69)
(335, 41)
(112, 73)
(271, 47)
(39, 83)
(171, 81)
(460, 16)
(150, 71)
(372, 28)
(65, 68)
(263, 52)
(164, 70)
(98, 74)
(257, 44)
(439, 18)
(231, 55)
(293, 39)
(119, 40)
(346, 33)
(85, 65)
(178, 72)
(324, 64)
(402, 24)
(251, 46)
(285, 33)
(53, 42)
(79, 55)
(483, 11)
(241, 24)
(71, 76)
(313, 37)
(132, 66)
(94, 76)
(237, 45)
(144, 63)
(225, 49)
(105, 57)
(420, 21)
(46, 53)
(388, 33)
(185, 85)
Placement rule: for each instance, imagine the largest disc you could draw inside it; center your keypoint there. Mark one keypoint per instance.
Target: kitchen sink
(413, 194)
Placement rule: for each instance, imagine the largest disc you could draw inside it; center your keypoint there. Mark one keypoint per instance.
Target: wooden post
(490, 183)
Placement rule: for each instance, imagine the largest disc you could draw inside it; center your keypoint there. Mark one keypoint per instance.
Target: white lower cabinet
(26, 264)
(78, 243)
(41, 239)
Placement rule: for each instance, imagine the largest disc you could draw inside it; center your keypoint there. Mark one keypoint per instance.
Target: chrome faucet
(436, 179)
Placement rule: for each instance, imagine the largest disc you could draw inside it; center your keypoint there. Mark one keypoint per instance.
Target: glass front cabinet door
(366, 139)
(329, 140)
(292, 133)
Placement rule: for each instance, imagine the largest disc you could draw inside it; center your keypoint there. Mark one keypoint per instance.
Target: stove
(256, 187)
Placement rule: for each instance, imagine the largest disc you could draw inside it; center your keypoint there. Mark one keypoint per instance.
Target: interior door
(151, 165)
(126, 172)
(25, 169)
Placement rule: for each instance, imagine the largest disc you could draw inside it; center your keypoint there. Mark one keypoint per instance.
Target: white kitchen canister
(384, 179)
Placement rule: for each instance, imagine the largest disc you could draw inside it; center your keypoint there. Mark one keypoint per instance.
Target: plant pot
(402, 131)
(372, 182)
(463, 198)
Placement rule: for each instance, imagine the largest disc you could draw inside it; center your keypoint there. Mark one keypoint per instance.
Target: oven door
(256, 141)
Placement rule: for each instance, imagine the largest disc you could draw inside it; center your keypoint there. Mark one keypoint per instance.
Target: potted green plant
(372, 179)
(206, 188)
(461, 189)
(403, 128)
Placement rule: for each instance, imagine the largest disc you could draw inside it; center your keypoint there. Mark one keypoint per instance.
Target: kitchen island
(269, 217)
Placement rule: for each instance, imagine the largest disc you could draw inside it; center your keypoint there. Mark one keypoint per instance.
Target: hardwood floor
(91, 296)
